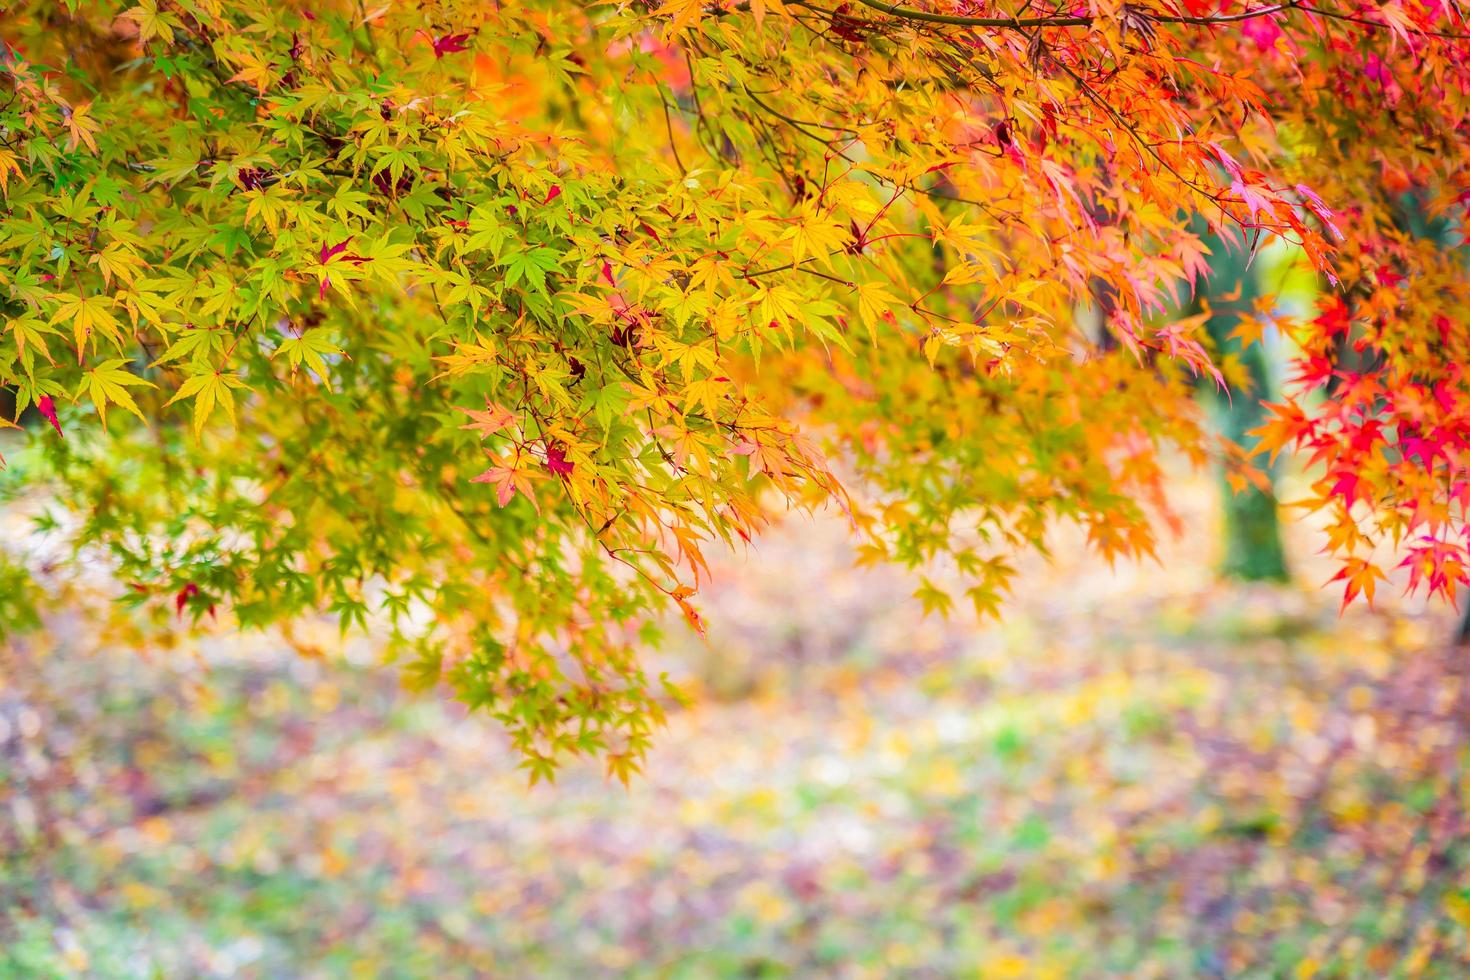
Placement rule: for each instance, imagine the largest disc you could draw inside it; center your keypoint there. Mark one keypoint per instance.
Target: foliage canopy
(487, 319)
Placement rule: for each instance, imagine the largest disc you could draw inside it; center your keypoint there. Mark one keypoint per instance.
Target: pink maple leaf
(450, 43)
(556, 461)
(47, 408)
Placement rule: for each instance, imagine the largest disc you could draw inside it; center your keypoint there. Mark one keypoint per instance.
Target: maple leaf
(82, 128)
(508, 479)
(255, 72)
(150, 23)
(691, 615)
(1250, 330)
(1361, 577)
(311, 349)
(934, 599)
(683, 14)
(108, 383)
(490, 421)
(209, 389)
(327, 253)
(845, 26)
(30, 336)
(449, 44)
(1346, 487)
(8, 165)
(88, 314)
(1313, 372)
(47, 408)
(556, 461)
(1335, 318)
(1288, 427)
(874, 303)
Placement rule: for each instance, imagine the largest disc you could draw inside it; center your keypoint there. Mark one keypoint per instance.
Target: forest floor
(1136, 772)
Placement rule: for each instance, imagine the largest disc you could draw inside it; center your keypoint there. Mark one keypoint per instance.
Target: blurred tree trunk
(1253, 551)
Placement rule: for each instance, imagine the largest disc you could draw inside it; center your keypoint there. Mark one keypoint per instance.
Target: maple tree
(488, 319)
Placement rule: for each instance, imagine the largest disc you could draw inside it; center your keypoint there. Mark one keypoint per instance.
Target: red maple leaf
(47, 408)
(450, 43)
(1335, 318)
(556, 461)
(328, 253)
(1346, 486)
(845, 26)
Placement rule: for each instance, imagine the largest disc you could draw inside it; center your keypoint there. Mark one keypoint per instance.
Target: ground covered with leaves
(1135, 773)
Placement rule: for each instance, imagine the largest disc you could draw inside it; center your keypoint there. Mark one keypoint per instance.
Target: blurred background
(1189, 767)
(1140, 771)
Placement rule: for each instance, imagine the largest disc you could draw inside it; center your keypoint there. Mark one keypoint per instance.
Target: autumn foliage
(482, 322)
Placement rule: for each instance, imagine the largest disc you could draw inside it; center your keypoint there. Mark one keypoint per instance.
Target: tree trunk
(1253, 551)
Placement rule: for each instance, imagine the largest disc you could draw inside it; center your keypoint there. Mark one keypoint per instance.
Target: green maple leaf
(108, 384)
